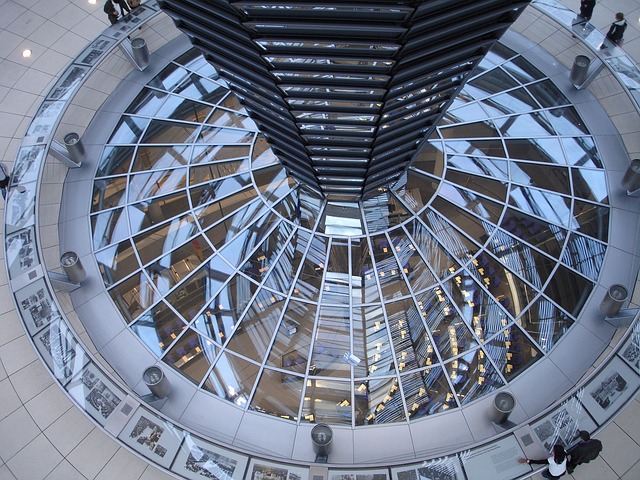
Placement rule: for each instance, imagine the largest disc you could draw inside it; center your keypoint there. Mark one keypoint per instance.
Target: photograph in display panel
(21, 252)
(360, 475)
(37, 306)
(563, 424)
(630, 351)
(152, 437)
(261, 470)
(61, 351)
(199, 459)
(95, 393)
(610, 389)
(445, 468)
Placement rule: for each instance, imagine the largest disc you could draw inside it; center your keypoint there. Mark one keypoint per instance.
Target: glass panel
(427, 392)
(178, 108)
(584, 255)
(482, 207)
(544, 204)
(291, 348)
(544, 236)
(284, 271)
(495, 81)
(527, 125)
(223, 135)
(383, 211)
(480, 129)
(547, 94)
(492, 167)
(522, 70)
(151, 158)
(226, 118)
(526, 262)
(590, 185)
(582, 152)
(244, 242)
(555, 179)
(153, 212)
(435, 255)
(158, 328)
(452, 239)
(387, 269)
(418, 274)
(128, 130)
(207, 173)
(108, 193)
(215, 153)
(411, 343)
(485, 186)
(513, 101)
(371, 342)
(332, 340)
(486, 148)
(327, 401)
(566, 121)
(310, 279)
(544, 150)
(378, 401)
(545, 322)
(147, 102)
(164, 131)
(117, 262)
(447, 328)
(417, 190)
(278, 394)
(133, 296)
(253, 337)
(363, 274)
(192, 355)
(232, 378)
(171, 269)
(478, 309)
(473, 376)
(591, 219)
(145, 185)
(216, 211)
(569, 290)
(115, 161)
(337, 284)
(512, 352)
(202, 89)
(260, 263)
(155, 242)
(109, 227)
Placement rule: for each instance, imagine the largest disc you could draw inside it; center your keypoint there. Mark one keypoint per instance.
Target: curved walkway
(41, 434)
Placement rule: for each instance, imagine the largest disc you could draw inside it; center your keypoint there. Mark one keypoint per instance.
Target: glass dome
(419, 299)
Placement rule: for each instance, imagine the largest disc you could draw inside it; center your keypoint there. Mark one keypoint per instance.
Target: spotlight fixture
(26, 53)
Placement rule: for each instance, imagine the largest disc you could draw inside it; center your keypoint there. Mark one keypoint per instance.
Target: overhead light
(92, 2)
(26, 53)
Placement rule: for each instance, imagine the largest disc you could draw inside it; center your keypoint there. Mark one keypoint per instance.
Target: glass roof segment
(422, 297)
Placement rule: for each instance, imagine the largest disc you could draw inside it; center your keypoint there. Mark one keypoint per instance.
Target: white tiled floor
(41, 434)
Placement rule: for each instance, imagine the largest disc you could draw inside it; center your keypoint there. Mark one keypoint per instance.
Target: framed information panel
(495, 461)
(262, 470)
(199, 459)
(610, 389)
(445, 468)
(152, 437)
(95, 393)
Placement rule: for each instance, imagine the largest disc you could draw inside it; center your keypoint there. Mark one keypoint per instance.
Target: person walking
(588, 449)
(111, 12)
(616, 30)
(586, 9)
(557, 463)
(4, 180)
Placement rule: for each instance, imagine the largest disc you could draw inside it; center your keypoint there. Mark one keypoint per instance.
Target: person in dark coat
(586, 9)
(123, 6)
(111, 12)
(588, 449)
(616, 31)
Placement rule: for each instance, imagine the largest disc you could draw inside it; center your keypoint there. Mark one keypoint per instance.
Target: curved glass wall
(418, 299)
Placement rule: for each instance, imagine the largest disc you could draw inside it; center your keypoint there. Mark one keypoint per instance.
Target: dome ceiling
(417, 299)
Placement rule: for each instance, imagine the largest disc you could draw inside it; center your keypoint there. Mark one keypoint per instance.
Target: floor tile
(16, 431)
(69, 430)
(93, 453)
(48, 406)
(36, 460)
